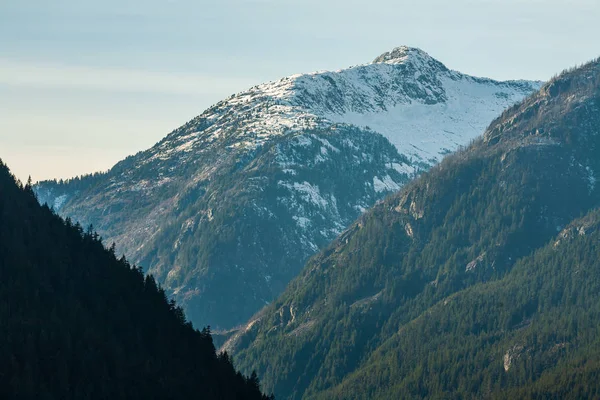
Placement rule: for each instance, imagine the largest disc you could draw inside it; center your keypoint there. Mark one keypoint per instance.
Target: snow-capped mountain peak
(410, 55)
(422, 107)
(260, 181)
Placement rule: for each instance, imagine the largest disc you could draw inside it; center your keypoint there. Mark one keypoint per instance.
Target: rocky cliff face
(226, 209)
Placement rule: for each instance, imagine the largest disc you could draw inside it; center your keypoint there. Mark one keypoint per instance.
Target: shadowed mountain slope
(78, 323)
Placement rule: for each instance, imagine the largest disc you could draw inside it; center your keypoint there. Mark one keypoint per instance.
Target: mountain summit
(411, 55)
(226, 209)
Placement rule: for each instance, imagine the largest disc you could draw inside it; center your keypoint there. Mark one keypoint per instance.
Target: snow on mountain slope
(225, 210)
(426, 132)
(422, 107)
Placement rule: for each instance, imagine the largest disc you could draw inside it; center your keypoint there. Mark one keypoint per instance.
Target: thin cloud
(115, 80)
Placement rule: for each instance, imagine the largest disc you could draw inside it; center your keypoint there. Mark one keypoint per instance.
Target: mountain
(78, 323)
(226, 209)
(477, 280)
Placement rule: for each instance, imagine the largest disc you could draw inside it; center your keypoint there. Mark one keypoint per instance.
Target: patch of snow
(404, 168)
(360, 208)
(386, 184)
(303, 140)
(327, 145)
(591, 179)
(307, 192)
(59, 201)
(302, 222)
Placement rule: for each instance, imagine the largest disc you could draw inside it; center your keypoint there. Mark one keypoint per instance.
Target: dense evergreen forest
(532, 334)
(477, 280)
(77, 322)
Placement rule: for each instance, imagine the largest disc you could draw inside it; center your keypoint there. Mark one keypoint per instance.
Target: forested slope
(78, 323)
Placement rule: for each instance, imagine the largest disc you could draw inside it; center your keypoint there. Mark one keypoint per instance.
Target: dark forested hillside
(450, 288)
(78, 323)
(532, 334)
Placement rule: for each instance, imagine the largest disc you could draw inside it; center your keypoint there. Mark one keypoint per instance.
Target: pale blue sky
(85, 83)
